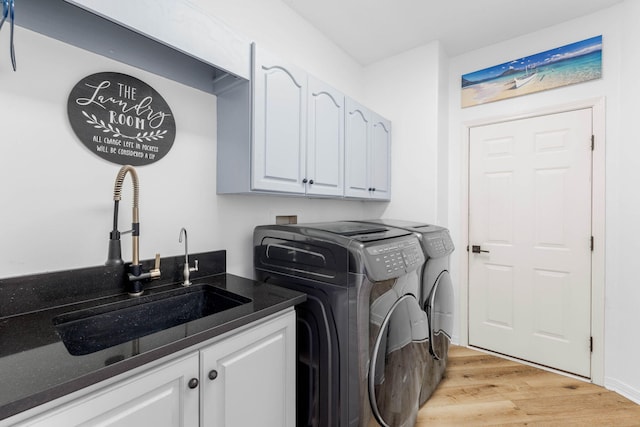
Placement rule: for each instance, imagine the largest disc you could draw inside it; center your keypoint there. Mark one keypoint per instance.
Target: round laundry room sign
(121, 119)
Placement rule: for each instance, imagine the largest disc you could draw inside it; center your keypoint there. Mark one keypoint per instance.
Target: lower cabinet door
(160, 397)
(249, 378)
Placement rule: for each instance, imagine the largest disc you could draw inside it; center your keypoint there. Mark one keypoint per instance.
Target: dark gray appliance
(363, 338)
(436, 297)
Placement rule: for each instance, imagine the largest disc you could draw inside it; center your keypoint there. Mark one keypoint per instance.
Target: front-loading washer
(362, 335)
(436, 296)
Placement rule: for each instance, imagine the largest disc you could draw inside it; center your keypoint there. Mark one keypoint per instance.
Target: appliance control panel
(437, 245)
(389, 260)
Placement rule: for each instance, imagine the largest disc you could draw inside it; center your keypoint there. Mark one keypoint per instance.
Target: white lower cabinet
(246, 379)
(249, 379)
(159, 397)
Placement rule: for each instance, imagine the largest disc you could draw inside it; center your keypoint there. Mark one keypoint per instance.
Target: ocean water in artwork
(527, 80)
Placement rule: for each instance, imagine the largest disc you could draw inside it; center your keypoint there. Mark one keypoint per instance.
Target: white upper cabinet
(298, 144)
(180, 25)
(279, 125)
(380, 158)
(303, 138)
(325, 140)
(295, 145)
(357, 128)
(368, 153)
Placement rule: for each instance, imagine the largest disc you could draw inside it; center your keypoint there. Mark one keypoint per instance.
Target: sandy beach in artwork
(482, 93)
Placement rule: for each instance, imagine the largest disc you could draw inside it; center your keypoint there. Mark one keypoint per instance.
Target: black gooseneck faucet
(114, 256)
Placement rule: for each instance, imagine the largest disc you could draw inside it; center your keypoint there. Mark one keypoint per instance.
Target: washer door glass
(440, 312)
(399, 350)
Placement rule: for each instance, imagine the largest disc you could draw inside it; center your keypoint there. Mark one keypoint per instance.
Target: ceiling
(371, 30)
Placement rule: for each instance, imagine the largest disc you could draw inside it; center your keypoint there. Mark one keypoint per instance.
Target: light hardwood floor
(483, 390)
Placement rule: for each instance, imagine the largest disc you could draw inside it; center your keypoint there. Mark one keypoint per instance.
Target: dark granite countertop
(35, 365)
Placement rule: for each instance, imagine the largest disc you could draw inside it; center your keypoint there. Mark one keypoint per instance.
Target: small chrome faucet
(186, 270)
(136, 275)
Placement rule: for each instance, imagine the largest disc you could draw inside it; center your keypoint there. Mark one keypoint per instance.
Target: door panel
(248, 379)
(530, 209)
(356, 124)
(279, 126)
(158, 397)
(380, 158)
(325, 153)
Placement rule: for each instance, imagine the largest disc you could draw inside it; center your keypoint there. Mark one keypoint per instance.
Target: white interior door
(530, 215)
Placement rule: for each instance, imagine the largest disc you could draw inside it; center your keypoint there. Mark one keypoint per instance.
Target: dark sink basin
(93, 329)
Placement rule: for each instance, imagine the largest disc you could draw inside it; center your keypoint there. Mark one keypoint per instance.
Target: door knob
(476, 249)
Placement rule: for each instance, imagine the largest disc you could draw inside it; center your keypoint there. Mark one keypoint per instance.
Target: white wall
(405, 89)
(618, 26)
(623, 212)
(56, 196)
(443, 140)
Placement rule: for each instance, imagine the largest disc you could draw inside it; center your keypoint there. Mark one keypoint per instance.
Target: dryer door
(399, 351)
(440, 312)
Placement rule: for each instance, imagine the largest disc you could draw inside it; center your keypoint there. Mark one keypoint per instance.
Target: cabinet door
(325, 140)
(280, 99)
(253, 377)
(357, 123)
(159, 397)
(380, 158)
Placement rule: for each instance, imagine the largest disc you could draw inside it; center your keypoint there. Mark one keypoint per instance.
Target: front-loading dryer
(362, 335)
(436, 296)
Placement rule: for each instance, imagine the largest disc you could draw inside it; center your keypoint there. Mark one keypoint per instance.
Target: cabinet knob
(310, 181)
(193, 383)
(304, 181)
(213, 374)
(373, 189)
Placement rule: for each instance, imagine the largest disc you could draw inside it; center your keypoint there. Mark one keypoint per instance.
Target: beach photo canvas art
(566, 65)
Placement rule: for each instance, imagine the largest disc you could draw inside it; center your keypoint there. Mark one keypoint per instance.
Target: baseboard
(455, 339)
(623, 389)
